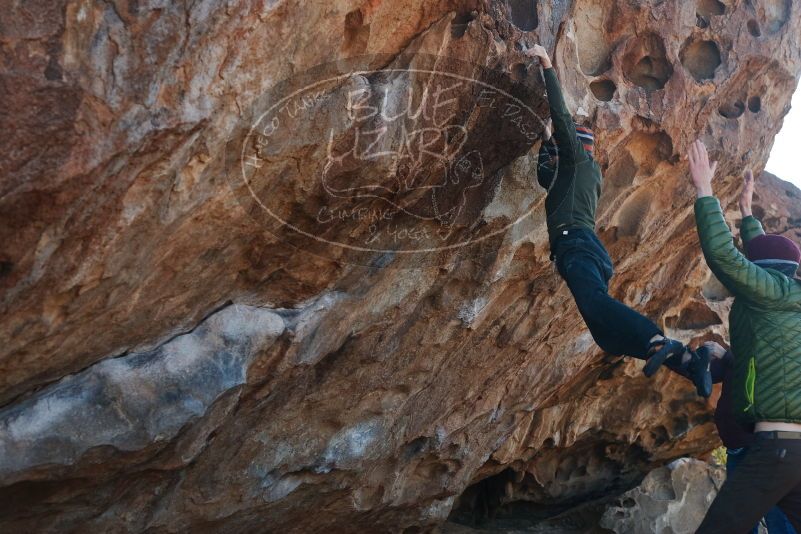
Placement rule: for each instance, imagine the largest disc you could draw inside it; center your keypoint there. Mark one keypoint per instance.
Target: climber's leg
(777, 521)
(791, 506)
(586, 267)
(770, 472)
(733, 459)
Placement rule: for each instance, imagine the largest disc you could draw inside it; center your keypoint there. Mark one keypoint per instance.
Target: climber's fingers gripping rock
(540, 53)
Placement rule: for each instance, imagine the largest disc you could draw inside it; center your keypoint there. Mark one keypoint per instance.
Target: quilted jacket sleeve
(750, 228)
(740, 276)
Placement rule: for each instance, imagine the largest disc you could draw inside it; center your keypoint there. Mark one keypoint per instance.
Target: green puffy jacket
(764, 323)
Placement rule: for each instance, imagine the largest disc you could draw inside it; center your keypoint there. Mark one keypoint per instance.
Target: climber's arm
(730, 266)
(735, 271)
(564, 131)
(545, 165)
(750, 227)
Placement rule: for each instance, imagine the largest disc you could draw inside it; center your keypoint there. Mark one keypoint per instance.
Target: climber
(765, 328)
(736, 437)
(573, 180)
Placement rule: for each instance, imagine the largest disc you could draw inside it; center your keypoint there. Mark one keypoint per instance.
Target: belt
(778, 434)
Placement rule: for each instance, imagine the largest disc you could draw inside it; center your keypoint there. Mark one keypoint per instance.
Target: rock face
(670, 499)
(193, 339)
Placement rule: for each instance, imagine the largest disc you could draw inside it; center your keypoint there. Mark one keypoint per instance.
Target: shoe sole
(653, 363)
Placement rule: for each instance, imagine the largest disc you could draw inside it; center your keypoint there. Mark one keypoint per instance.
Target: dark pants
(775, 520)
(769, 473)
(585, 265)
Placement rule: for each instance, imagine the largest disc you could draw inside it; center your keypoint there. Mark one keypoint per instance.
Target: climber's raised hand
(540, 53)
(747, 194)
(700, 168)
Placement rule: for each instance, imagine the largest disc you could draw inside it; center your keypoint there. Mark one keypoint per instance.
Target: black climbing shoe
(659, 351)
(699, 370)
(696, 368)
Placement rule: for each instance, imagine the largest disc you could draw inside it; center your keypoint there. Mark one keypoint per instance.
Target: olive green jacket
(573, 197)
(764, 323)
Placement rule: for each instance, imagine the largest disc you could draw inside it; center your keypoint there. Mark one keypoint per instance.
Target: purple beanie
(772, 248)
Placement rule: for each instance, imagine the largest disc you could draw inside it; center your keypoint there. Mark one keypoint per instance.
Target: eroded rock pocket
(603, 90)
(460, 23)
(357, 33)
(732, 110)
(524, 14)
(594, 50)
(645, 63)
(700, 58)
(707, 9)
(774, 14)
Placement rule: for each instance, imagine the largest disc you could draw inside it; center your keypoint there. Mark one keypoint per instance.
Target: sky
(784, 157)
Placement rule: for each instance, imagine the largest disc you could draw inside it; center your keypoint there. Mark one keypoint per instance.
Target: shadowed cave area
(558, 493)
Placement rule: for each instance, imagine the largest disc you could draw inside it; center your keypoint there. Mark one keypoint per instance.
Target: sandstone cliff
(186, 350)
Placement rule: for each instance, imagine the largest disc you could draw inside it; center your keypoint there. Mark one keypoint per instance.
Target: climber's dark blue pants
(768, 474)
(585, 265)
(776, 521)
